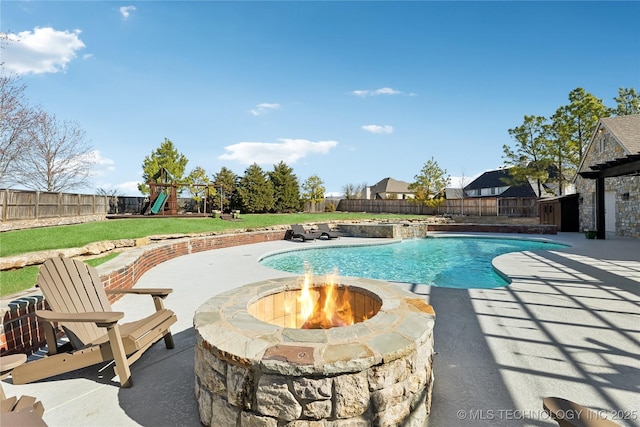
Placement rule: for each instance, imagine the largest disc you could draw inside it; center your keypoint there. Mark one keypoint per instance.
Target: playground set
(163, 197)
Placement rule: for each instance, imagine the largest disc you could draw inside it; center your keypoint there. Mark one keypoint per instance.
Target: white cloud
(264, 108)
(375, 92)
(386, 129)
(268, 153)
(125, 11)
(43, 50)
(129, 188)
(101, 165)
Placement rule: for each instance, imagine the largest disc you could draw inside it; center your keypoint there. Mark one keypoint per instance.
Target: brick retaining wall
(21, 332)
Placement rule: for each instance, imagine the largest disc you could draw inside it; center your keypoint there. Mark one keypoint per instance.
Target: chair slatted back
(298, 229)
(71, 286)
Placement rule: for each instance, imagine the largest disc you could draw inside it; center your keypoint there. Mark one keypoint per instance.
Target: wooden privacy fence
(486, 206)
(18, 205)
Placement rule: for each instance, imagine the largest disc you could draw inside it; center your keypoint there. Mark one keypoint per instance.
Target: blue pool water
(452, 262)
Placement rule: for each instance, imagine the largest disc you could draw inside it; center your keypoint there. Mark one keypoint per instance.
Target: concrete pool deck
(568, 325)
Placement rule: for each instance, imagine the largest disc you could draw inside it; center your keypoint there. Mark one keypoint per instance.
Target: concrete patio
(568, 325)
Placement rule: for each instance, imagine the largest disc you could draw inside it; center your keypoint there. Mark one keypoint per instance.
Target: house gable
(611, 164)
(614, 139)
(492, 184)
(389, 186)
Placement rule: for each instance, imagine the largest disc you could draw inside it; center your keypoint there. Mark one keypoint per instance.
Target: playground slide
(159, 203)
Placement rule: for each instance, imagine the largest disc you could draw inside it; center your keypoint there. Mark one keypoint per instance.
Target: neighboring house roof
(495, 179)
(390, 185)
(489, 179)
(522, 190)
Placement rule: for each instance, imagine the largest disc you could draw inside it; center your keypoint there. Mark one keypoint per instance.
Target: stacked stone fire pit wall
(374, 373)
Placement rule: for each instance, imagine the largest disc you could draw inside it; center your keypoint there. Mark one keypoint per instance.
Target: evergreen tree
(166, 156)
(430, 184)
(529, 159)
(577, 120)
(628, 102)
(226, 183)
(256, 190)
(561, 150)
(286, 188)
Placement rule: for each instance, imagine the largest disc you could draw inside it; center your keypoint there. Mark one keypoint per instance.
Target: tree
(256, 190)
(313, 189)
(628, 102)
(579, 119)
(564, 158)
(286, 188)
(17, 118)
(430, 184)
(226, 183)
(462, 184)
(349, 191)
(112, 195)
(58, 158)
(198, 183)
(354, 191)
(166, 156)
(529, 159)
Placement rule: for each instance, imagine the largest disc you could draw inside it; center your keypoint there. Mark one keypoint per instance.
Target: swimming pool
(452, 262)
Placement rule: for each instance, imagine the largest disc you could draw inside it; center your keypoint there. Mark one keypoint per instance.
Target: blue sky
(351, 91)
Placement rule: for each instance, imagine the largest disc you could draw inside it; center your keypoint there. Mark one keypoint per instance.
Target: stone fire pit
(255, 367)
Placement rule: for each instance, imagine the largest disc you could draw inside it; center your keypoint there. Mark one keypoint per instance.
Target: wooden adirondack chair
(18, 411)
(79, 305)
(570, 414)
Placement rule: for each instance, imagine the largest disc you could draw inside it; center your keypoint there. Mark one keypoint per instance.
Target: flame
(326, 306)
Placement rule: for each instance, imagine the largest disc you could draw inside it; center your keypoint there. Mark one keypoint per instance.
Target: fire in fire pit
(321, 306)
(256, 365)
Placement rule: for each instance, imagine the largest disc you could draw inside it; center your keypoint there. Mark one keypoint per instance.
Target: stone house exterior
(608, 179)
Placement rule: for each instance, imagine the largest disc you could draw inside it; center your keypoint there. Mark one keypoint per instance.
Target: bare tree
(361, 191)
(58, 158)
(349, 191)
(462, 184)
(112, 195)
(16, 119)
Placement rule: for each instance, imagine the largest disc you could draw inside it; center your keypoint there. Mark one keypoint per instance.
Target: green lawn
(71, 236)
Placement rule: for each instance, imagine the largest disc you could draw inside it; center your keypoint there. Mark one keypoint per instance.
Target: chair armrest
(160, 292)
(99, 318)
(7, 363)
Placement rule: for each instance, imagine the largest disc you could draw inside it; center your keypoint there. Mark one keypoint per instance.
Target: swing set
(163, 197)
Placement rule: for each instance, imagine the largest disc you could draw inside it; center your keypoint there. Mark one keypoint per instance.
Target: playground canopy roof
(164, 175)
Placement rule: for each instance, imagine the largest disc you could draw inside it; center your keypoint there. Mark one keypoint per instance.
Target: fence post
(4, 205)
(37, 212)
